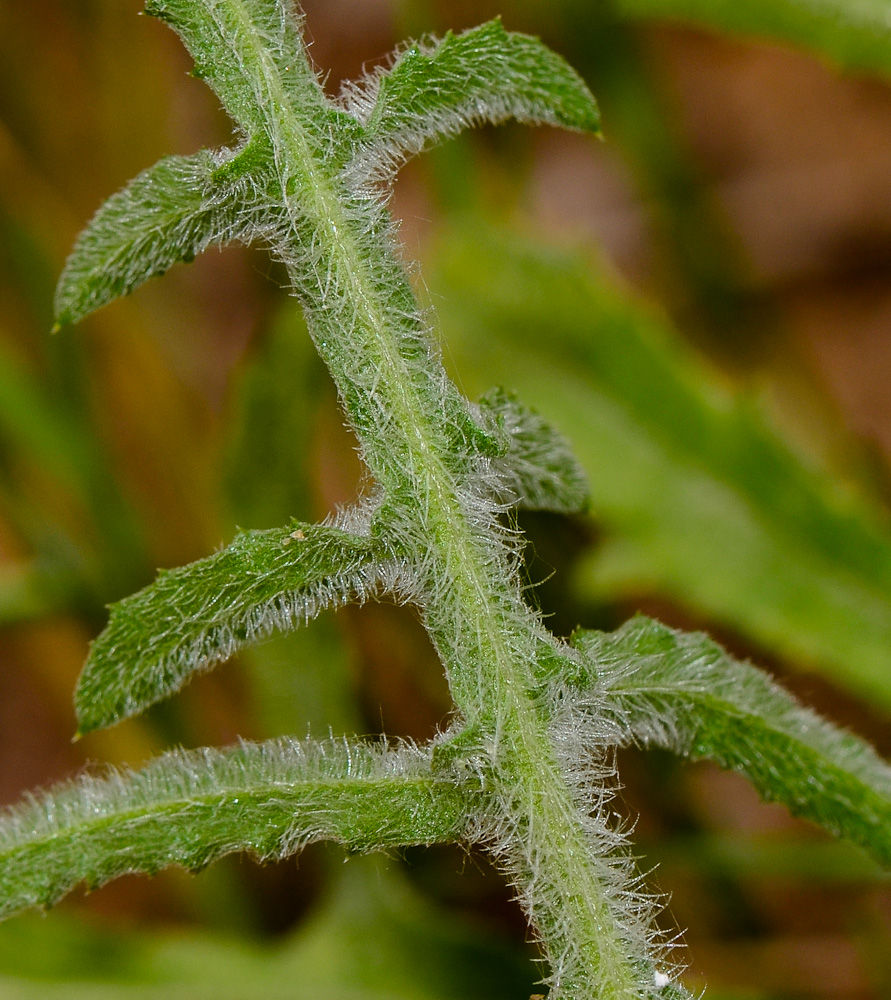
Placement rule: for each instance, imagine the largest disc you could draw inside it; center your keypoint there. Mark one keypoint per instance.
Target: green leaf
(34, 591)
(250, 52)
(539, 470)
(485, 74)
(32, 423)
(375, 935)
(698, 496)
(853, 33)
(272, 424)
(685, 693)
(768, 856)
(169, 213)
(187, 808)
(371, 936)
(303, 682)
(198, 615)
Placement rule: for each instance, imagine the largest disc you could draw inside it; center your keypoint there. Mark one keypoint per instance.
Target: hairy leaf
(683, 692)
(195, 616)
(188, 808)
(169, 213)
(485, 74)
(539, 470)
(698, 496)
(853, 33)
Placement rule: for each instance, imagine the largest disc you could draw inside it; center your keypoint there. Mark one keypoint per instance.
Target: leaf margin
(93, 829)
(151, 647)
(702, 703)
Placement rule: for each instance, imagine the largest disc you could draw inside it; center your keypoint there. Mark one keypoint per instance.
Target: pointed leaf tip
(487, 74)
(196, 616)
(166, 215)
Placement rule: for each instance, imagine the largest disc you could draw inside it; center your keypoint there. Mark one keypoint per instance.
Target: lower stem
(568, 889)
(569, 886)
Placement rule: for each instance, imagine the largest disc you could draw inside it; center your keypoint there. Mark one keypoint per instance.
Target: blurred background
(701, 303)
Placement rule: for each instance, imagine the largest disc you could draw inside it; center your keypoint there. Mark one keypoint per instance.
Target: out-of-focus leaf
(272, 425)
(377, 937)
(790, 858)
(30, 591)
(853, 33)
(35, 426)
(46, 439)
(373, 937)
(698, 497)
(302, 683)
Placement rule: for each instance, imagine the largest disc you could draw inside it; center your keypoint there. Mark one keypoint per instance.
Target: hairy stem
(408, 418)
(304, 179)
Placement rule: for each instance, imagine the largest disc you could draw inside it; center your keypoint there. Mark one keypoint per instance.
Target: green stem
(396, 400)
(418, 440)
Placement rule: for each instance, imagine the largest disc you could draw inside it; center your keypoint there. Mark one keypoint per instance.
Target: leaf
(250, 52)
(372, 935)
(168, 214)
(34, 591)
(32, 423)
(539, 470)
(683, 692)
(768, 856)
(698, 496)
(271, 426)
(188, 808)
(195, 616)
(435, 90)
(375, 933)
(853, 33)
(53, 461)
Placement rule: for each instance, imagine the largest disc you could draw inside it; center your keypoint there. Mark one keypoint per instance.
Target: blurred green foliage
(696, 496)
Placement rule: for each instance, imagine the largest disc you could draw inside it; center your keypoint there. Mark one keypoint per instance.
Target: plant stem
(427, 454)
(409, 419)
